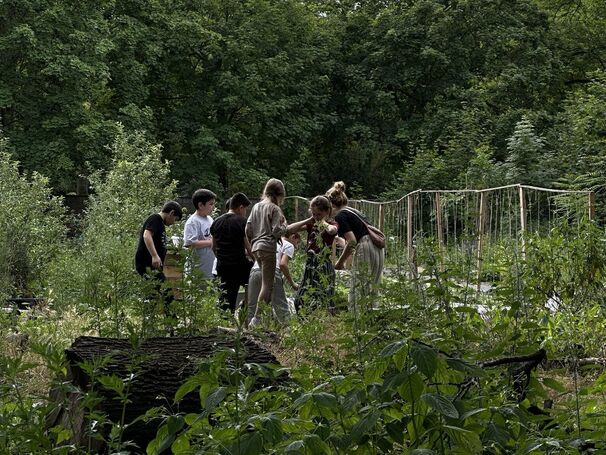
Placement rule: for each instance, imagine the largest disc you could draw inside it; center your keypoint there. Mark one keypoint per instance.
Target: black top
(143, 259)
(228, 235)
(348, 221)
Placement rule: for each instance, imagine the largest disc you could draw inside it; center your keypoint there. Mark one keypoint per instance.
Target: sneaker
(254, 322)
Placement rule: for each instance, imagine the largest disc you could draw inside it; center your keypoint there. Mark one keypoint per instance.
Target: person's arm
(299, 225)
(149, 244)
(248, 248)
(214, 245)
(208, 243)
(286, 271)
(278, 223)
(189, 238)
(350, 246)
(330, 228)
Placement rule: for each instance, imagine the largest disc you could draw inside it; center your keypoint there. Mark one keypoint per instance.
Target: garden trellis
(466, 225)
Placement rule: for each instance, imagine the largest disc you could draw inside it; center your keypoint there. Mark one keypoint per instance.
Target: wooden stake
(522, 218)
(481, 221)
(440, 230)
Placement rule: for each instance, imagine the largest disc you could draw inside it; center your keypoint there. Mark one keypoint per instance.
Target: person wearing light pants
(281, 308)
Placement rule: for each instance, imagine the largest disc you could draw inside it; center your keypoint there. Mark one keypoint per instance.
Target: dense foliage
(307, 91)
(388, 95)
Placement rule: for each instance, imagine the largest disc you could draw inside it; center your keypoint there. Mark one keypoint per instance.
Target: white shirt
(198, 228)
(286, 248)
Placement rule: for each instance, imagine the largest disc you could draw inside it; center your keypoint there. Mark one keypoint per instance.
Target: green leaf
(326, 400)
(374, 371)
(472, 412)
(554, 385)
(465, 367)
(272, 428)
(412, 387)
(250, 444)
(392, 348)
(468, 440)
(295, 446)
(304, 398)
(425, 358)
(316, 445)
(214, 398)
(113, 383)
(364, 426)
(498, 434)
(181, 445)
(441, 404)
(175, 424)
(188, 386)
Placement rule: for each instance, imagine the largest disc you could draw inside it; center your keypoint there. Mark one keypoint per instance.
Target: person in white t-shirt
(196, 234)
(281, 309)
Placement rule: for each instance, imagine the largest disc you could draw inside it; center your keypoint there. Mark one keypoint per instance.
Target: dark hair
(321, 203)
(274, 188)
(336, 194)
(237, 200)
(202, 195)
(295, 235)
(173, 206)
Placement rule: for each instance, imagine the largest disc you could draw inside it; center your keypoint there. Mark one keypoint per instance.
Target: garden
(89, 366)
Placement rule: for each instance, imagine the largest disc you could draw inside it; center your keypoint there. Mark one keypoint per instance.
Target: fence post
(440, 230)
(381, 217)
(296, 209)
(409, 226)
(591, 206)
(522, 218)
(481, 220)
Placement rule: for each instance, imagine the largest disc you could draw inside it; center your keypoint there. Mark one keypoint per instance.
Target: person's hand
(295, 286)
(156, 262)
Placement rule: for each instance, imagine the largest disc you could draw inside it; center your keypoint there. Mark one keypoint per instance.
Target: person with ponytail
(264, 228)
(318, 284)
(367, 265)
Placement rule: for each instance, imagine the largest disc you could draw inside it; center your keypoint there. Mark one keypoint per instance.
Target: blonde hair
(321, 203)
(274, 189)
(336, 194)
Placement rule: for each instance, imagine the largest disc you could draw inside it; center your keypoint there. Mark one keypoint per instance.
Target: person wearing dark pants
(231, 248)
(151, 249)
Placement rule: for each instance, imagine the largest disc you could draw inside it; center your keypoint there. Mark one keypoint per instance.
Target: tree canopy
(386, 95)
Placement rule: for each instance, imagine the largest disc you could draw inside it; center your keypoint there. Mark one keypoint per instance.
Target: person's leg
(366, 271)
(327, 278)
(268, 271)
(267, 263)
(278, 300)
(254, 286)
(232, 277)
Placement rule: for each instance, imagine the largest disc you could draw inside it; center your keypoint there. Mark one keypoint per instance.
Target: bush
(32, 227)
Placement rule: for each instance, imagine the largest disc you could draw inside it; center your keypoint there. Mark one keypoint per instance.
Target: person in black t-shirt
(231, 248)
(151, 250)
(367, 266)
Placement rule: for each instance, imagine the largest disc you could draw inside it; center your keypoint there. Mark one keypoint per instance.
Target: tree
(53, 80)
(525, 149)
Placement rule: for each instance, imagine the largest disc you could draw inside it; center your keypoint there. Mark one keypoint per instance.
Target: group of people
(255, 251)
